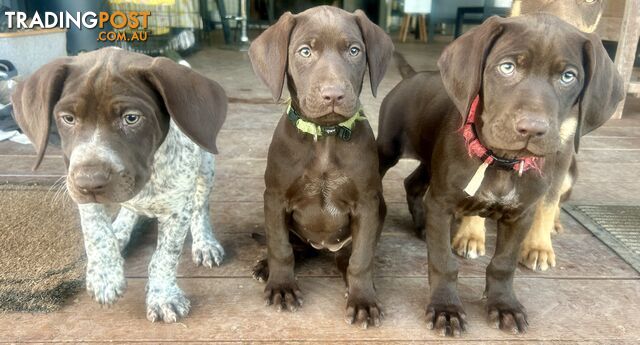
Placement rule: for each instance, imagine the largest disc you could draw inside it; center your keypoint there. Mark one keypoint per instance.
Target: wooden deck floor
(592, 295)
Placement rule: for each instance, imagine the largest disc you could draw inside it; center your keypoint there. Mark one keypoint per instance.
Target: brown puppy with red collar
(494, 131)
(322, 180)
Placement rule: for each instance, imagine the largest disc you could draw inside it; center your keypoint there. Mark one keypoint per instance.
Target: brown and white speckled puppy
(534, 85)
(138, 132)
(325, 189)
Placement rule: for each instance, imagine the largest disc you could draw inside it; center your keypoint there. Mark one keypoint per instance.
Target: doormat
(42, 260)
(616, 226)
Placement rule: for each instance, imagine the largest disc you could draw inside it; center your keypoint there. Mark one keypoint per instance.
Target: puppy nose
(332, 94)
(532, 127)
(91, 179)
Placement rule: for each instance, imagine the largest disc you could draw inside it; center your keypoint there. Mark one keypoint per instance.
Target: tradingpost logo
(127, 26)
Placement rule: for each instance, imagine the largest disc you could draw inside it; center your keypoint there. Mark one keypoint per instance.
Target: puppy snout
(532, 126)
(91, 179)
(332, 94)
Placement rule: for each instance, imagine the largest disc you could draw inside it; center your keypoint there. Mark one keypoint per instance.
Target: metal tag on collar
(331, 130)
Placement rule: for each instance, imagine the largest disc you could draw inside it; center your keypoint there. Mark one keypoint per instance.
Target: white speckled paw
(166, 303)
(206, 252)
(106, 284)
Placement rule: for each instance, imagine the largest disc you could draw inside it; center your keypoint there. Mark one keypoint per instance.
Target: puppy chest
(320, 207)
(492, 202)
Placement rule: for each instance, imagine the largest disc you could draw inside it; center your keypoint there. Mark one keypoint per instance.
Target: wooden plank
(231, 309)
(606, 192)
(609, 143)
(627, 45)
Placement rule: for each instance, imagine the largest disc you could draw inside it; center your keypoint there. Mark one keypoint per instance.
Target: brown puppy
(322, 180)
(537, 251)
(526, 88)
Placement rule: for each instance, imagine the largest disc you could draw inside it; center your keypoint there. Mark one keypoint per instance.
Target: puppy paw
(537, 255)
(557, 227)
(260, 271)
(284, 296)
(446, 319)
(510, 317)
(206, 252)
(107, 284)
(364, 312)
(468, 241)
(166, 303)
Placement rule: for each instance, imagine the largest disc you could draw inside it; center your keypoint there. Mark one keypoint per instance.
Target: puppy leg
(565, 193)
(389, 147)
(205, 249)
(415, 186)
(537, 251)
(444, 312)
(301, 251)
(366, 225)
(105, 272)
(165, 300)
(504, 309)
(281, 289)
(468, 241)
(123, 226)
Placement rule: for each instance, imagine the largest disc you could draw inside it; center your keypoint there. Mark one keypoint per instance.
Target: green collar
(342, 130)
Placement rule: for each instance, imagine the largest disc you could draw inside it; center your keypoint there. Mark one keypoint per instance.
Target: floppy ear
(379, 48)
(268, 54)
(462, 62)
(198, 105)
(34, 100)
(603, 89)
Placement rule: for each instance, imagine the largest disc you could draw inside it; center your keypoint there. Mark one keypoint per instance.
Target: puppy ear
(462, 62)
(33, 102)
(198, 105)
(268, 54)
(379, 48)
(603, 89)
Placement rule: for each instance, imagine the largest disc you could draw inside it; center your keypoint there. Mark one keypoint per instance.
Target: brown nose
(332, 94)
(91, 179)
(529, 126)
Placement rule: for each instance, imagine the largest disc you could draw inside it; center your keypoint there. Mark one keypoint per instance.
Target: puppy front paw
(363, 311)
(166, 302)
(508, 316)
(106, 285)
(206, 252)
(537, 253)
(468, 241)
(260, 271)
(284, 296)
(447, 319)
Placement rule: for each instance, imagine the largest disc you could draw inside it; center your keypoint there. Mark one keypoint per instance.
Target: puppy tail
(405, 69)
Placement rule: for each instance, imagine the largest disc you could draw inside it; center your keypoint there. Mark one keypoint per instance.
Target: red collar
(476, 149)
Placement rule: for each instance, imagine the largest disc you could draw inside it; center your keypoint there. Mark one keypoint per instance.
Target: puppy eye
(131, 118)
(354, 51)
(68, 119)
(305, 52)
(568, 77)
(590, 1)
(507, 68)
